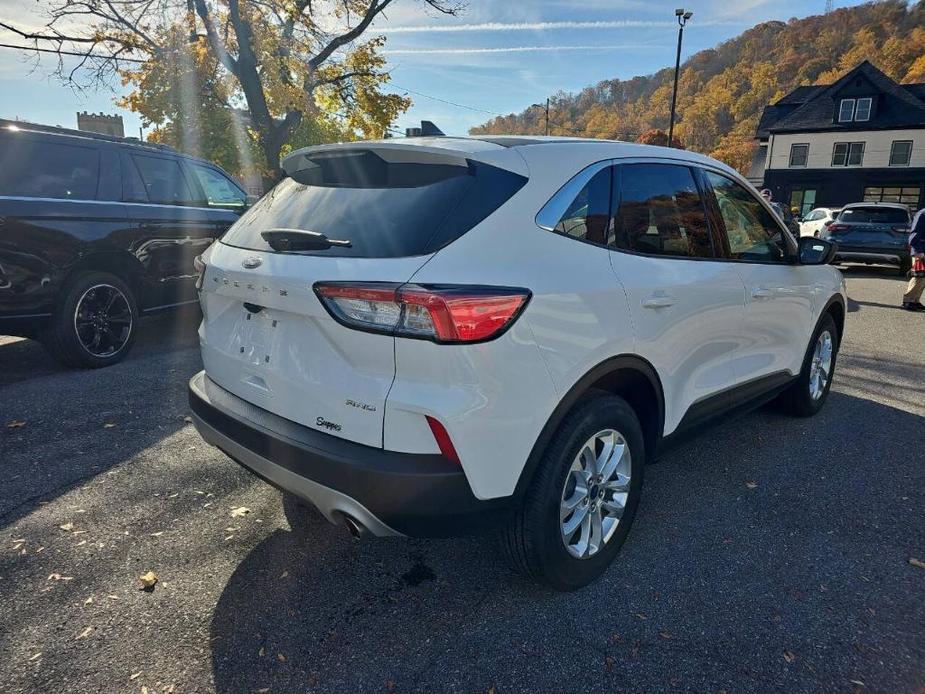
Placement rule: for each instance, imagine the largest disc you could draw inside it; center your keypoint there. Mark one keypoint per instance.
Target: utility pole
(682, 20)
(547, 115)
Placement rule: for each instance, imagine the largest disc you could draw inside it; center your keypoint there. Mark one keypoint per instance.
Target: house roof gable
(812, 107)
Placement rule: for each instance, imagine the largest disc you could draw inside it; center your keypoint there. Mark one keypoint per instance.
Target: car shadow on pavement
(60, 427)
(769, 553)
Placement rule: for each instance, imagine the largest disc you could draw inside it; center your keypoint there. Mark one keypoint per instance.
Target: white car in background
(430, 336)
(816, 219)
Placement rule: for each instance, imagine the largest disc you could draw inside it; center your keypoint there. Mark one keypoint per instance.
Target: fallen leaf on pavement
(157, 534)
(280, 657)
(15, 424)
(188, 419)
(858, 682)
(37, 655)
(390, 685)
(240, 511)
(262, 690)
(67, 526)
(148, 580)
(262, 652)
(58, 577)
(89, 601)
(917, 562)
(641, 615)
(108, 425)
(750, 484)
(667, 635)
(608, 663)
(789, 656)
(135, 676)
(85, 633)
(284, 574)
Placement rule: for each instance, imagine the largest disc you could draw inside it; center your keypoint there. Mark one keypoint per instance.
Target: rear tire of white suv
(581, 503)
(808, 393)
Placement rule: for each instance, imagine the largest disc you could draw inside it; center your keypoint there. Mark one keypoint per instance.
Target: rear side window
(874, 215)
(752, 232)
(162, 180)
(218, 189)
(31, 168)
(385, 210)
(661, 212)
(588, 215)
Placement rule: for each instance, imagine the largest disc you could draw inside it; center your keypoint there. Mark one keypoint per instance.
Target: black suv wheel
(95, 323)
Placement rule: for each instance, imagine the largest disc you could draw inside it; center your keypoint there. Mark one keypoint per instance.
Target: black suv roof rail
(57, 130)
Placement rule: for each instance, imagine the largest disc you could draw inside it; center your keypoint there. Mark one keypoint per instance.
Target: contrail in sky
(537, 26)
(510, 49)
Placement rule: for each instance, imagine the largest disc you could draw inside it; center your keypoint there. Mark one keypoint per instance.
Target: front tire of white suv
(581, 503)
(808, 393)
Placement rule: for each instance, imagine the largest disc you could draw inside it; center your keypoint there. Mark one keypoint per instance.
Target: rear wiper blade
(295, 240)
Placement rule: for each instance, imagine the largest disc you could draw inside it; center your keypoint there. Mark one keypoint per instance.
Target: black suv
(96, 230)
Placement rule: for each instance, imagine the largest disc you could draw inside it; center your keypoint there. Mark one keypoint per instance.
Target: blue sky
(496, 57)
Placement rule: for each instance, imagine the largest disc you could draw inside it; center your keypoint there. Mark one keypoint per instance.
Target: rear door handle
(760, 293)
(657, 301)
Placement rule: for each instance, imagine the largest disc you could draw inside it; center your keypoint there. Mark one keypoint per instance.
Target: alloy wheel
(821, 367)
(103, 320)
(595, 493)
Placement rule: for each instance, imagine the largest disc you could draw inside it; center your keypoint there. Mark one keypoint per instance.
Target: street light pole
(682, 20)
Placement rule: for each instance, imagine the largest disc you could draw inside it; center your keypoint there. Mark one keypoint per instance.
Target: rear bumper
(389, 493)
(872, 254)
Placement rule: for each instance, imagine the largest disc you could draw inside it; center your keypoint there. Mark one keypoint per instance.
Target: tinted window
(383, 209)
(874, 215)
(661, 212)
(799, 155)
(750, 229)
(901, 153)
(218, 189)
(48, 169)
(163, 181)
(588, 215)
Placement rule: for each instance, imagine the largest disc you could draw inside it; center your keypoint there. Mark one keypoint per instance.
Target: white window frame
(869, 102)
(841, 110)
(805, 160)
(893, 149)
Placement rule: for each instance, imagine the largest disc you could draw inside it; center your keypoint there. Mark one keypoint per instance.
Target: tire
(533, 540)
(800, 399)
(115, 322)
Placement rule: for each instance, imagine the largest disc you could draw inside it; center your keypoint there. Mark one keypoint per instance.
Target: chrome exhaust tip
(356, 529)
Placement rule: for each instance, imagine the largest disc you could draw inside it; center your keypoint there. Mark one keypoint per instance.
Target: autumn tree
(261, 67)
(659, 137)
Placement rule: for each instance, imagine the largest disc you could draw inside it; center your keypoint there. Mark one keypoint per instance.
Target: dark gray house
(861, 138)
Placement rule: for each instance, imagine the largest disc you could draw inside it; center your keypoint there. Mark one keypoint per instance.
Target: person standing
(912, 297)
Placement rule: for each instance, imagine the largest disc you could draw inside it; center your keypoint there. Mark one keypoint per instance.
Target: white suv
(436, 335)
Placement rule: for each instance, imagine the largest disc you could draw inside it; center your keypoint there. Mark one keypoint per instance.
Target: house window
(846, 111)
(908, 195)
(798, 155)
(901, 153)
(862, 111)
(848, 154)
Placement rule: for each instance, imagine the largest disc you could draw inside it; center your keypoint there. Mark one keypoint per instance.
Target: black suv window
(751, 230)
(588, 215)
(163, 180)
(32, 168)
(661, 212)
(218, 189)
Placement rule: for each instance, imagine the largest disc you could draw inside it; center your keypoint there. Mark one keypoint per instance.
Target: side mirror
(828, 221)
(815, 251)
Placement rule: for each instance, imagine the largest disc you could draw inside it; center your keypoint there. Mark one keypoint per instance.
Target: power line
(445, 101)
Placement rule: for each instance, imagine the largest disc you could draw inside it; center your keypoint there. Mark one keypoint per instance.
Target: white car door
(811, 222)
(780, 296)
(686, 304)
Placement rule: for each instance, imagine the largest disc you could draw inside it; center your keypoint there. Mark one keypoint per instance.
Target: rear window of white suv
(383, 209)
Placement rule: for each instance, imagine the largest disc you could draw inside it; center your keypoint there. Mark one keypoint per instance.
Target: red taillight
(837, 227)
(443, 439)
(446, 314)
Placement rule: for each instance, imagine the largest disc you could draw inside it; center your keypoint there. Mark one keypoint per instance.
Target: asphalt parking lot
(769, 554)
